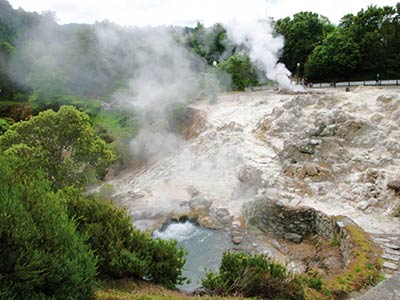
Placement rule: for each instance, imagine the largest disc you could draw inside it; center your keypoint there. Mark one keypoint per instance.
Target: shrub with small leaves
(41, 254)
(123, 250)
(253, 276)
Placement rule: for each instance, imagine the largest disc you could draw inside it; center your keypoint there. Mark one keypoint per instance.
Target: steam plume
(264, 48)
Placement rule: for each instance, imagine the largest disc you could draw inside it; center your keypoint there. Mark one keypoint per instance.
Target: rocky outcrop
(387, 290)
(194, 123)
(360, 254)
(292, 223)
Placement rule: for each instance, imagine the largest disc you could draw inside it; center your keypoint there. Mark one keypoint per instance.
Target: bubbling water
(205, 249)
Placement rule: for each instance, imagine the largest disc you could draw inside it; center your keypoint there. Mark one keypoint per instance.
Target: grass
(363, 269)
(138, 290)
(117, 123)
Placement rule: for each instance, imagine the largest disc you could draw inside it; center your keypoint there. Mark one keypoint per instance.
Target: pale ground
(209, 164)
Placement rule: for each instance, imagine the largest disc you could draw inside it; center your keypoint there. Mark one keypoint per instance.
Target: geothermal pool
(205, 248)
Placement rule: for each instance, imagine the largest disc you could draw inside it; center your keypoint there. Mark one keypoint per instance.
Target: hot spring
(205, 249)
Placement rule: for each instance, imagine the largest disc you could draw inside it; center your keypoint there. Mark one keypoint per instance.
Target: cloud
(187, 12)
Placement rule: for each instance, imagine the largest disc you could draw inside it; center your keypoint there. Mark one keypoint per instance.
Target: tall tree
(302, 34)
(337, 58)
(377, 32)
(208, 42)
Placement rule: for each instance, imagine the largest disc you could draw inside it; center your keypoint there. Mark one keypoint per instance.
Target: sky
(189, 12)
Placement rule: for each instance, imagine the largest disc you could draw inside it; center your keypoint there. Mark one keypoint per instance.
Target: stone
(200, 291)
(250, 175)
(340, 224)
(293, 237)
(363, 205)
(394, 185)
(381, 240)
(199, 204)
(237, 240)
(392, 246)
(386, 290)
(390, 257)
(295, 202)
(280, 247)
(311, 170)
(393, 252)
(208, 222)
(385, 99)
(389, 265)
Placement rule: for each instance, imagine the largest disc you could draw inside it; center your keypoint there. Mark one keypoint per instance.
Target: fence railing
(391, 82)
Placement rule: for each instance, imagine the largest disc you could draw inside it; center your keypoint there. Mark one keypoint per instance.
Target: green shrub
(65, 146)
(124, 251)
(40, 102)
(41, 254)
(176, 114)
(4, 125)
(241, 70)
(253, 276)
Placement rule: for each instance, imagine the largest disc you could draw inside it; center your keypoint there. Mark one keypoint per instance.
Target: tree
(208, 42)
(302, 34)
(41, 254)
(377, 32)
(64, 145)
(337, 58)
(241, 70)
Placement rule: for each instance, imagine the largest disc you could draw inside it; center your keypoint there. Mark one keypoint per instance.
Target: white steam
(166, 75)
(264, 47)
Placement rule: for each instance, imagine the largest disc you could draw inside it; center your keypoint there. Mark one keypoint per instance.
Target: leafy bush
(253, 276)
(40, 102)
(4, 125)
(241, 70)
(41, 254)
(124, 251)
(177, 114)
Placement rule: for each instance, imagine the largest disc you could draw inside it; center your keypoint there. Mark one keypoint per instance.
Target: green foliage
(363, 266)
(314, 283)
(376, 31)
(117, 127)
(4, 125)
(176, 115)
(253, 276)
(241, 70)
(41, 254)
(337, 58)
(302, 34)
(209, 43)
(124, 251)
(64, 145)
(40, 102)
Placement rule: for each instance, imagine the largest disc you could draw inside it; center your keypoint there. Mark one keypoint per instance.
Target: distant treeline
(358, 48)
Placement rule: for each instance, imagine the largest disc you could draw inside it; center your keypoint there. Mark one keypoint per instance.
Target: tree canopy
(62, 144)
(362, 46)
(302, 33)
(337, 58)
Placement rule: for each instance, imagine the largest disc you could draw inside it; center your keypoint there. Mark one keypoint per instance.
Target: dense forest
(58, 135)
(99, 59)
